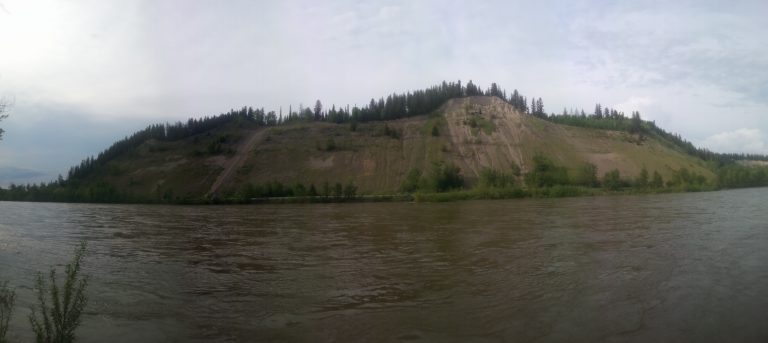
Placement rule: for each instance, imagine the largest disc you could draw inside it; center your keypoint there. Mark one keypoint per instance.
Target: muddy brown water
(676, 267)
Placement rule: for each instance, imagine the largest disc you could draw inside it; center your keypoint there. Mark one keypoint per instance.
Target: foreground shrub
(7, 298)
(57, 322)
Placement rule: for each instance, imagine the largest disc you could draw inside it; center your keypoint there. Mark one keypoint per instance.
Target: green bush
(444, 177)
(656, 181)
(490, 178)
(612, 180)
(350, 190)
(642, 180)
(545, 173)
(412, 181)
(57, 321)
(7, 300)
(586, 175)
(685, 179)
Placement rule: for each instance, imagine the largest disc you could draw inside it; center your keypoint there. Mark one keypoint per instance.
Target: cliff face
(473, 133)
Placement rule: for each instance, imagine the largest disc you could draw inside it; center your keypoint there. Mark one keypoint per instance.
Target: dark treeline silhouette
(398, 105)
(77, 187)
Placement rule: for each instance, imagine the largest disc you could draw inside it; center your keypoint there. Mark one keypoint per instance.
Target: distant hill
(235, 154)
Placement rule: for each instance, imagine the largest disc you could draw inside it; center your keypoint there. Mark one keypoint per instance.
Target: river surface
(676, 267)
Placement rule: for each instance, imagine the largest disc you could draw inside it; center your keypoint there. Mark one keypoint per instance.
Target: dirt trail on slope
(234, 163)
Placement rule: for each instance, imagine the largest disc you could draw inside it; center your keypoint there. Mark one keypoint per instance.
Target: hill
(472, 133)
(480, 134)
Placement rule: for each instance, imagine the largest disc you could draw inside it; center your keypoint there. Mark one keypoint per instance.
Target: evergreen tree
(318, 110)
(636, 123)
(540, 108)
(657, 181)
(612, 180)
(642, 180)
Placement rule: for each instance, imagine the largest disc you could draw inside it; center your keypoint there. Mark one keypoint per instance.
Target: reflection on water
(690, 267)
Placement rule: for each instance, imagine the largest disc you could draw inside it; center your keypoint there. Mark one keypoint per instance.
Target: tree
(326, 189)
(350, 190)
(444, 177)
(656, 181)
(546, 173)
(411, 182)
(636, 124)
(540, 108)
(612, 180)
(472, 90)
(496, 91)
(642, 180)
(586, 175)
(318, 110)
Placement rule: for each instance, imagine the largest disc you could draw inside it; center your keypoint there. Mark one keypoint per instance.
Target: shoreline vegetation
(445, 183)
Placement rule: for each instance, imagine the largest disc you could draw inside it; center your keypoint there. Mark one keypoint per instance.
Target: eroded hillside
(471, 132)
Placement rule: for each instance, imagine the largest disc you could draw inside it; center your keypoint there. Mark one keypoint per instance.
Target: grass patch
(477, 124)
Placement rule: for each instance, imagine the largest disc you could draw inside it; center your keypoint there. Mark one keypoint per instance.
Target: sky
(79, 75)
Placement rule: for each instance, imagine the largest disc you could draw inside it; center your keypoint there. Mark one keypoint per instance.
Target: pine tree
(642, 180)
(540, 108)
(636, 123)
(318, 110)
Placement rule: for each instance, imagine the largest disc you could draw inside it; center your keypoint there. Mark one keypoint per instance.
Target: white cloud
(635, 103)
(738, 141)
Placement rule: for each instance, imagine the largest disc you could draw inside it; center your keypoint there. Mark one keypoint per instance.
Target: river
(672, 267)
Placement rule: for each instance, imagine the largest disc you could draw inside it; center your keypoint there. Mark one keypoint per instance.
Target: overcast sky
(82, 74)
